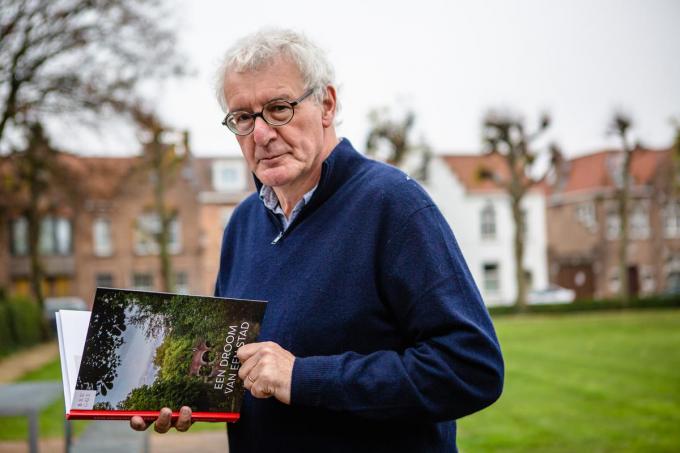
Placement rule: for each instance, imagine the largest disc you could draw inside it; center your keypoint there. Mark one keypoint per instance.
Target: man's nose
(263, 132)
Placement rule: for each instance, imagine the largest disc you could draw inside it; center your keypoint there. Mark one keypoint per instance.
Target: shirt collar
(271, 201)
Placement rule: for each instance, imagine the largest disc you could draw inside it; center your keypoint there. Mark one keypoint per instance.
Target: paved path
(16, 365)
(205, 442)
(174, 442)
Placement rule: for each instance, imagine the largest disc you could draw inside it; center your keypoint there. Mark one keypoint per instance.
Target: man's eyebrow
(282, 97)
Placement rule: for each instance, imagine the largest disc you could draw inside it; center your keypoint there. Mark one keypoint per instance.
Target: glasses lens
(240, 122)
(277, 112)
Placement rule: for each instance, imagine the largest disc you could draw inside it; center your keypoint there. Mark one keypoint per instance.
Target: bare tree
(71, 58)
(620, 126)
(505, 134)
(162, 159)
(38, 181)
(78, 57)
(389, 139)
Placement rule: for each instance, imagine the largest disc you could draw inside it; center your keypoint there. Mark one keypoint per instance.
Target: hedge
(20, 324)
(6, 337)
(656, 301)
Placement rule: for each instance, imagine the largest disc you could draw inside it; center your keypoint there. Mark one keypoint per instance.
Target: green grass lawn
(596, 382)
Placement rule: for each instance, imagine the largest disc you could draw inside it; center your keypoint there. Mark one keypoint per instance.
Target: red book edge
(149, 415)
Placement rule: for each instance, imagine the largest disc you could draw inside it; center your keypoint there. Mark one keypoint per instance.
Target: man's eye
(243, 117)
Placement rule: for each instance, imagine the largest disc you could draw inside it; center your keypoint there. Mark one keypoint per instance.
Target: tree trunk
(163, 216)
(37, 272)
(623, 216)
(521, 301)
(32, 170)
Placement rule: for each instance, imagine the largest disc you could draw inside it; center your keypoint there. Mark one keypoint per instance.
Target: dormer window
(228, 176)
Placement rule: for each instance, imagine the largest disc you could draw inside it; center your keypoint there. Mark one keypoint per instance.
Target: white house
(480, 216)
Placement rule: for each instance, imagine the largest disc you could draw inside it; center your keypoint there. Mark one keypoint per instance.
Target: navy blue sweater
(370, 292)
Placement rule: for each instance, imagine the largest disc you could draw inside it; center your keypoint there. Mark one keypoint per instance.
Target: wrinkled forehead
(280, 69)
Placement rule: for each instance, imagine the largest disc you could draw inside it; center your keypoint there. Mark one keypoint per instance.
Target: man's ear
(328, 106)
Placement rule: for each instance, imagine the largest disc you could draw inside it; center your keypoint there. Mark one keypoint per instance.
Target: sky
(448, 61)
(138, 349)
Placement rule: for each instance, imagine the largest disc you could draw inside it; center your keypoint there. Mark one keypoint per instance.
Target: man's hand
(164, 421)
(266, 370)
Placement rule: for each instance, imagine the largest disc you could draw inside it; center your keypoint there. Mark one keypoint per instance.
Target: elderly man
(375, 337)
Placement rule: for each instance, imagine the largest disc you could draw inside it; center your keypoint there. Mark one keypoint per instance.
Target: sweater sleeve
(451, 364)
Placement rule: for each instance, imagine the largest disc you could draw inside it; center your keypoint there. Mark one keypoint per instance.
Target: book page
(71, 332)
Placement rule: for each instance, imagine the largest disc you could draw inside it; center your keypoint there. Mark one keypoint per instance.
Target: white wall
(463, 212)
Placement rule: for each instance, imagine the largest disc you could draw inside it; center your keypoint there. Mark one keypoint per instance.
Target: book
(139, 351)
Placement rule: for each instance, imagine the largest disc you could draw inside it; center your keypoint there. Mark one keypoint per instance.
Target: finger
(247, 351)
(138, 424)
(247, 366)
(259, 380)
(164, 421)
(261, 390)
(184, 420)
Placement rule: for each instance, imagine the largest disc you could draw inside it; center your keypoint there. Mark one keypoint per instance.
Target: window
(20, 237)
(147, 232)
(647, 278)
(228, 176)
(104, 280)
(524, 215)
(46, 242)
(55, 236)
(673, 283)
(585, 214)
(101, 237)
(639, 222)
(614, 282)
(671, 220)
(491, 278)
(613, 225)
(142, 281)
(488, 222)
(672, 271)
(181, 283)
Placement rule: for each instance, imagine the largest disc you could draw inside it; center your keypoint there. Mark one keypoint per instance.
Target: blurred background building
(109, 238)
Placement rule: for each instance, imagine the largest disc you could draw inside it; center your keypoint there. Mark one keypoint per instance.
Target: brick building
(584, 225)
(105, 236)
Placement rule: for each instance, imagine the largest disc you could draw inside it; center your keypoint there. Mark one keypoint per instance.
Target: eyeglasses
(276, 112)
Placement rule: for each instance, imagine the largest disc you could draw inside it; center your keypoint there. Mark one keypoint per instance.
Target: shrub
(655, 301)
(25, 321)
(6, 339)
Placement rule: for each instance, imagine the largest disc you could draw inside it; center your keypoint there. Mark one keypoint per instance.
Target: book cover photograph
(147, 350)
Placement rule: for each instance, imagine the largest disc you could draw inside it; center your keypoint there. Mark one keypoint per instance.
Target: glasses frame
(260, 114)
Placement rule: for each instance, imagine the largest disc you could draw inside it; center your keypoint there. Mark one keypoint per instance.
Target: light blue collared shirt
(271, 202)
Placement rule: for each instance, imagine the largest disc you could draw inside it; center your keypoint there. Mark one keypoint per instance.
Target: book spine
(149, 415)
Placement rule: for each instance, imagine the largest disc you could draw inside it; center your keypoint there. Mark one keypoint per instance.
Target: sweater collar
(335, 170)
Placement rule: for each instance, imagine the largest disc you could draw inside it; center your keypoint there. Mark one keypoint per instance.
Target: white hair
(261, 48)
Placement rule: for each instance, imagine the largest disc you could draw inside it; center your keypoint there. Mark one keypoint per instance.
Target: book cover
(147, 350)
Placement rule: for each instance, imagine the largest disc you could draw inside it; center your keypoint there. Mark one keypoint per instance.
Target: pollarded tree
(504, 133)
(389, 140)
(620, 126)
(162, 159)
